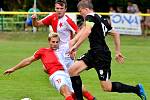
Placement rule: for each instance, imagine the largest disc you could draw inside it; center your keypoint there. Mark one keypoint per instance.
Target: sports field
(32, 82)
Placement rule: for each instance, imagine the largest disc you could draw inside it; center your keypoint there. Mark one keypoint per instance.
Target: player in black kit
(99, 55)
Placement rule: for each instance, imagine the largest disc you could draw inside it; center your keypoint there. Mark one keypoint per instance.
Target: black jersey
(98, 31)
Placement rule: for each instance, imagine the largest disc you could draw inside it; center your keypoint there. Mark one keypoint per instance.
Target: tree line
(48, 5)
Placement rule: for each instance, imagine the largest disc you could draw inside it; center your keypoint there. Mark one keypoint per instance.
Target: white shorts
(68, 62)
(60, 78)
(65, 49)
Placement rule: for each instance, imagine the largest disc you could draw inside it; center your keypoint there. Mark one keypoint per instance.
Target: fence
(15, 21)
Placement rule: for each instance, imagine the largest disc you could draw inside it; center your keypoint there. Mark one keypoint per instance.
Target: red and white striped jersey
(53, 60)
(64, 26)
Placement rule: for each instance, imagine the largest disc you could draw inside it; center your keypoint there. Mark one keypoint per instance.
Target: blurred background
(12, 21)
(48, 5)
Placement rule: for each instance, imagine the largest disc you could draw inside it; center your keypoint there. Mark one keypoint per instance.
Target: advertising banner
(126, 23)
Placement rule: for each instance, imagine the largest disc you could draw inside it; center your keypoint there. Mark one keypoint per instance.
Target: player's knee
(106, 89)
(65, 91)
(106, 86)
(72, 72)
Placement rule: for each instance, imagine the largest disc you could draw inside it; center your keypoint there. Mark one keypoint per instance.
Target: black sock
(77, 86)
(123, 88)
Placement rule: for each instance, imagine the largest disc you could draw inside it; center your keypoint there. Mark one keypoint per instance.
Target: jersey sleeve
(108, 26)
(99, 20)
(72, 26)
(89, 20)
(37, 54)
(47, 20)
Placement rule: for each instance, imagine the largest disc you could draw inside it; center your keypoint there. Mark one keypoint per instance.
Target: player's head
(60, 7)
(53, 39)
(84, 7)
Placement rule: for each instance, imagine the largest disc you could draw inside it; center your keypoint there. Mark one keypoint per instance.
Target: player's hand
(119, 58)
(73, 49)
(9, 71)
(34, 16)
(73, 55)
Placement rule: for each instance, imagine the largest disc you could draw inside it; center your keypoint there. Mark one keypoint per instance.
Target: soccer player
(99, 55)
(53, 61)
(62, 24)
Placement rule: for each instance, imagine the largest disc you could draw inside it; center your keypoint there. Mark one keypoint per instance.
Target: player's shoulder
(70, 21)
(90, 16)
(52, 15)
(67, 18)
(43, 49)
(93, 15)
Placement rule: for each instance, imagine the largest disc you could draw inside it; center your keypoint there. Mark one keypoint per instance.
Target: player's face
(60, 10)
(54, 43)
(82, 11)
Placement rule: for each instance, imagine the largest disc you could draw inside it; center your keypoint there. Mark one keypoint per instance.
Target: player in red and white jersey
(62, 24)
(59, 21)
(53, 60)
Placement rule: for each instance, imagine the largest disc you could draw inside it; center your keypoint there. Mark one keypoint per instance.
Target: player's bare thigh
(77, 68)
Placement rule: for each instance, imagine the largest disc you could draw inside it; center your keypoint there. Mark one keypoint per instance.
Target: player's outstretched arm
(21, 64)
(80, 37)
(119, 57)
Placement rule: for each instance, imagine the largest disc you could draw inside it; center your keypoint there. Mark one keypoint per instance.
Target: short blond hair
(85, 4)
(52, 34)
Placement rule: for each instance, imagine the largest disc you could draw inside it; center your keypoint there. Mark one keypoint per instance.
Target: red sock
(88, 95)
(73, 95)
(69, 98)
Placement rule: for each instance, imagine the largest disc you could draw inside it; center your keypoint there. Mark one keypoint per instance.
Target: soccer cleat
(141, 93)
(94, 98)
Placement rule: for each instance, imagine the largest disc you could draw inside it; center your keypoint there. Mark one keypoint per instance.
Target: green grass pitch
(32, 82)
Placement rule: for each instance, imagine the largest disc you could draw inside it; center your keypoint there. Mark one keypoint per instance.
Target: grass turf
(32, 82)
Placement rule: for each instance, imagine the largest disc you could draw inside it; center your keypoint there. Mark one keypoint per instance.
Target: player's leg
(123, 88)
(141, 92)
(60, 81)
(104, 76)
(74, 72)
(85, 92)
(107, 85)
(118, 87)
(65, 91)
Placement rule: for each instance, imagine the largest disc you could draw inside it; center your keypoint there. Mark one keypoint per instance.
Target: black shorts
(100, 60)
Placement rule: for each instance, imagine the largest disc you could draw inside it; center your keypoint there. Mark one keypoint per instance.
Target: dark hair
(85, 4)
(61, 2)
